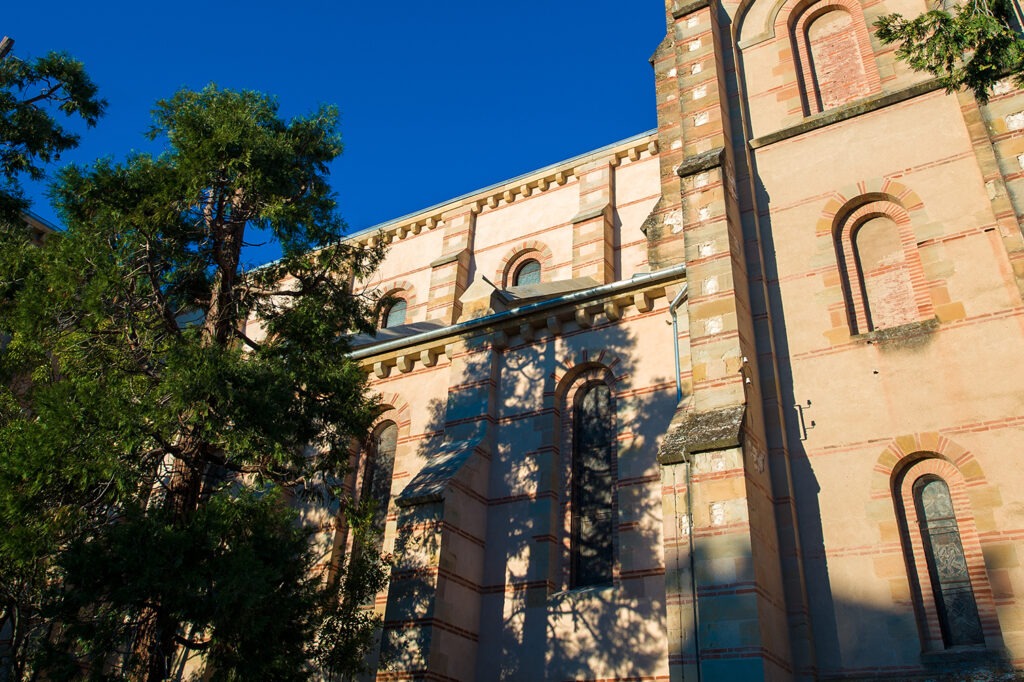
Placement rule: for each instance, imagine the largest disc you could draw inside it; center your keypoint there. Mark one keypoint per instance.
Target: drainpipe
(673, 310)
(693, 567)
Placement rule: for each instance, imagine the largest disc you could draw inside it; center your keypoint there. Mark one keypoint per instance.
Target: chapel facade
(739, 398)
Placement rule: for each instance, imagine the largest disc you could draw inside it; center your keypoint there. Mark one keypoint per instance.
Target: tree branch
(44, 95)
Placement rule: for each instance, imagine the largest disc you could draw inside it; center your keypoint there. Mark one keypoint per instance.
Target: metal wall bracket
(804, 428)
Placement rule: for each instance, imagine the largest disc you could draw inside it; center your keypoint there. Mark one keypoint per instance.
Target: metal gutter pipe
(499, 318)
(672, 308)
(693, 567)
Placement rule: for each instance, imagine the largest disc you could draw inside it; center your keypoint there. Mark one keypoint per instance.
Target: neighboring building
(814, 474)
(38, 227)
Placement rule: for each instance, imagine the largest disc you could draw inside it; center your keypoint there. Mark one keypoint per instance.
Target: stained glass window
(592, 487)
(380, 465)
(947, 567)
(528, 273)
(396, 314)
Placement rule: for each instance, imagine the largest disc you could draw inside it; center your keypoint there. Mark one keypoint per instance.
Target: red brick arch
(586, 360)
(798, 15)
(524, 251)
(901, 464)
(398, 288)
(843, 214)
(905, 450)
(394, 408)
(855, 214)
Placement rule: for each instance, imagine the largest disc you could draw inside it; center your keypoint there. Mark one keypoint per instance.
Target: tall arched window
(593, 486)
(377, 473)
(947, 565)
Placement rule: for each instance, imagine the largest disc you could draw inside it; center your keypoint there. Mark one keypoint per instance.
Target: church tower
(719, 498)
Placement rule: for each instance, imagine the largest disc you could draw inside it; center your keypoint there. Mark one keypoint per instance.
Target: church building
(739, 398)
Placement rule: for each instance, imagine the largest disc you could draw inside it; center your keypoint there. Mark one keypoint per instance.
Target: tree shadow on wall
(498, 587)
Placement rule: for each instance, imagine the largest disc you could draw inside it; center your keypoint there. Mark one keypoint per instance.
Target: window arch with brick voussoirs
(879, 264)
(511, 265)
(396, 303)
(378, 469)
(949, 581)
(832, 45)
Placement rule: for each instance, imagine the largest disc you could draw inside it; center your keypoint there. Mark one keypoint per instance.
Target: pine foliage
(32, 95)
(164, 461)
(971, 45)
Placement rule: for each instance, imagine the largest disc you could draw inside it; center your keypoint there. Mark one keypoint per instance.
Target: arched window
(947, 565)
(593, 486)
(879, 265)
(836, 60)
(833, 53)
(377, 473)
(527, 273)
(395, 314)
(526, 263)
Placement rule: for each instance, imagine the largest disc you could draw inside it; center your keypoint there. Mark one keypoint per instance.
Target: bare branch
(246, 340)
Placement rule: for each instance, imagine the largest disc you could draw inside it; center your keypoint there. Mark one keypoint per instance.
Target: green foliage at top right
(973, 45)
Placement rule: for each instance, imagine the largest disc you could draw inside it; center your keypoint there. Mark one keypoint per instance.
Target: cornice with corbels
(522, 330)
(507, 193)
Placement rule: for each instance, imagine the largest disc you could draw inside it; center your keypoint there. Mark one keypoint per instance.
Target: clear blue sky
(437, 98)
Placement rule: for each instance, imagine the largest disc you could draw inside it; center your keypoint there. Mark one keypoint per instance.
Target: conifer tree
(153, 448)
(31, 94)
(969, 44)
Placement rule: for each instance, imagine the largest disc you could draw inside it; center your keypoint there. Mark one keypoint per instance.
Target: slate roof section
(430, 483)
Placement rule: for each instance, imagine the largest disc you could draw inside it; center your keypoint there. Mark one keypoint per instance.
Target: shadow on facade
(481, 586)
(805, 487)
(845, 628)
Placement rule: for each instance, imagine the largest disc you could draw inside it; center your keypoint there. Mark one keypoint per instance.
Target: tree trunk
(155, 645)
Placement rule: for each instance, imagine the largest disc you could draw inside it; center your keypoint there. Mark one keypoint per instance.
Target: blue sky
(436, 98)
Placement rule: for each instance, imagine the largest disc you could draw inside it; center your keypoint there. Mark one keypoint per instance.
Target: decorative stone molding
(607, 304)
(693, 432)
(584, 319)
(863, 106)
